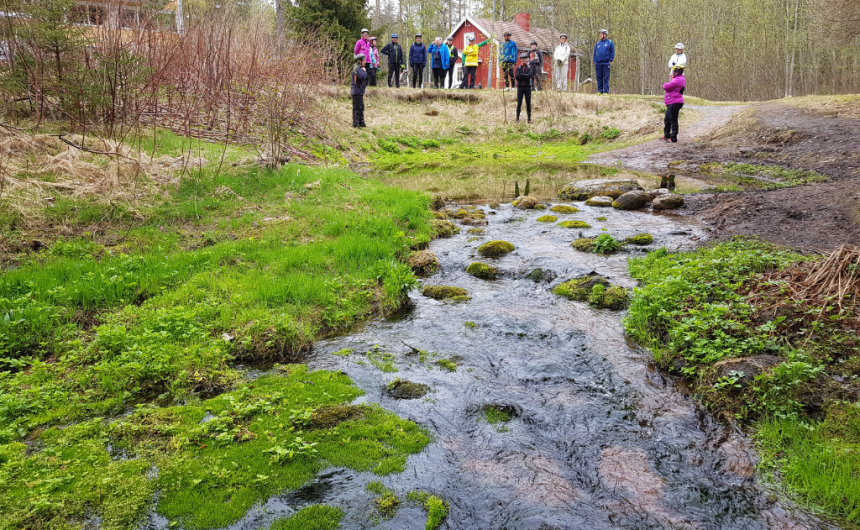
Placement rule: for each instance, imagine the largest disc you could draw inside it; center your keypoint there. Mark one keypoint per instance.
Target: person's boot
(664, 182)
(671, 182)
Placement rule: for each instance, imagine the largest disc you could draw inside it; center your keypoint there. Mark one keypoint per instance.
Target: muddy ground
(822, 138)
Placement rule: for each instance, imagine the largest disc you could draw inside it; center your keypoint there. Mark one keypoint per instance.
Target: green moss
(382, 360)
(403, 389)
(476, 230)
(447, 364)
(494, 249)
(495, 205)
(482, 270)
(584, 244)
(601, 218)
(331, 416)
(469, 214)
(316, 517)
(343, 353)
(436, 508)
(574, 224)
(613, 297)
(386, 502)
(497, 414)
(539, 206)
(442, 292)
(547, 219)
(470, 324)
(640, 239)
(564, 208)
(423, 263)
(444, 228)
(440, 214)
(579, 289)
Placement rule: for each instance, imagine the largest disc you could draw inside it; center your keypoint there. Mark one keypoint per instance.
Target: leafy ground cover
(708, 313)
(121, 340)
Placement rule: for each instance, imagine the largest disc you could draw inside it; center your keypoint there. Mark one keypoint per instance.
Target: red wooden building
(523, 34)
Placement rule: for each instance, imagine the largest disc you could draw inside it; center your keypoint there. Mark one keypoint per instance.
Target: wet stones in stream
(585, 189)
(632, 200)
(667, 202)
(423, 263)
(594, 289)
(564, 208)
(599, 202)
(482, 270)
(525, 203)
(495, 249)
(444, 228)
(403, 389)
(446, 292)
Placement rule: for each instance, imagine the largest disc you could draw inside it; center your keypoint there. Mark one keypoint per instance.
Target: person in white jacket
(561, 63)
(680, 58)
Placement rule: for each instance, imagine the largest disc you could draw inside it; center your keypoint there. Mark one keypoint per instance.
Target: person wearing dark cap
(395, 59)
(604, 54)
(536, 60)
(561, 63)
(524, 75)
(453, 54)
(417, 60)
(508, 58)
(356, 90)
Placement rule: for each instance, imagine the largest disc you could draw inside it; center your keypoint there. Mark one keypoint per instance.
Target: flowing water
(599, 438)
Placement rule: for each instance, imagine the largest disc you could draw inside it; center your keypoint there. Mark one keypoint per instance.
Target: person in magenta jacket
(674, 100)
(362, 47)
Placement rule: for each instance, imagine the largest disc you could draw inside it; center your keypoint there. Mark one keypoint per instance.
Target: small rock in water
(659, 192)
(525, 203)
(423, 262)
(668, 202)
(586, 189)
(601, 201)
(632, 200)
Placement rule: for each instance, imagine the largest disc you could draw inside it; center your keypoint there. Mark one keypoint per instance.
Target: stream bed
(598, 437)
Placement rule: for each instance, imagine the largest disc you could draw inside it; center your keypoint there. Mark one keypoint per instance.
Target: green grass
(317, 517)
(695, 309)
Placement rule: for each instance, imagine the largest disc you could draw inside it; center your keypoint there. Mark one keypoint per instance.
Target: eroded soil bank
(818, 134)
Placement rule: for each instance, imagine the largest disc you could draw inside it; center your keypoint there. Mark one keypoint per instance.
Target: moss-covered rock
(437, 201)
(471, 213)
(477, 231)
(440, 215)
(541, 275)
(525, 203)
(403, 389)
(547, 219)
(423, 263)
(574, 224)
(495, 249)
(632, 200)
(601, 218)
(600, 202)
(596, 290)
(444, 228)
(612, 297)
(482, 270)
(585, 189)
(443, 292)
(640, 239)
(583, 244)
(540, 206)
(603, 244)
(564, 208)
(328, 417)
(494, 205)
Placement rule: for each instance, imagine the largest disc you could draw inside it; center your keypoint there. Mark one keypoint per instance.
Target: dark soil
(817, 216)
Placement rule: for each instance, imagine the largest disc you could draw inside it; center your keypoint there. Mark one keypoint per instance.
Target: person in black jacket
(536, 60)
(454, 53)
(524, 75)
(356, 90)
(395, 60)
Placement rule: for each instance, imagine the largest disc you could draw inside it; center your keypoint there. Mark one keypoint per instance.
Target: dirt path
(814, 216)
(653, 156)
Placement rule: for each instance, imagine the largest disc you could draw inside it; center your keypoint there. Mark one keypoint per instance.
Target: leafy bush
(605, 244)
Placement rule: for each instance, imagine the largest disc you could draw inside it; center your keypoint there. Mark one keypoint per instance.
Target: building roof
(546, 38)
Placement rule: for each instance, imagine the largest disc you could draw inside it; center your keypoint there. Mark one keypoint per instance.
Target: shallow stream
(600, 439)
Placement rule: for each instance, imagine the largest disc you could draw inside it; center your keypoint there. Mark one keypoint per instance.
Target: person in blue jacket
(417, 60)
(439, 57)
(508, 58)
(604, 54)
(356, 90)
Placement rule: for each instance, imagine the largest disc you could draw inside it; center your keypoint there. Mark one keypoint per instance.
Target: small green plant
(470, 325)
(730, 381)
(386, 502)
(342, 353)
(436, 508)
(601, 218)
(447, 364)
(611, 133)
(605, 244)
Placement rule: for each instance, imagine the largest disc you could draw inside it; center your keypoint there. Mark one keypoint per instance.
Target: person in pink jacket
(674, 100)
(362, 47)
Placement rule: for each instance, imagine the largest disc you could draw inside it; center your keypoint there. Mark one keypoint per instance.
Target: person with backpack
(356, 90)
(417, 60)
(439, 58)
(394, 52)
(561, 63)
(508, 58)
(674, 100)
(374, 62)
(470, 61)
(453, 53)
(524, 74)
(536, 60)
(604, 54)
(362, 47)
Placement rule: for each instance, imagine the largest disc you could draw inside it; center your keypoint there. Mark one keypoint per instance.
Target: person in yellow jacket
(470, 62)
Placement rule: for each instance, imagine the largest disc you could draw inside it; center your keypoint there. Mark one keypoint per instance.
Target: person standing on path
(452, 60)
(438, 62)
(417, 60)
(470, 61)
(356, 90)
(561, 63)
(508, 58)
(674, 100)
(524, 75)
(536, 60)
(394, 52)
(680, 58)
(374, 62)
(604, 54)
(362, 47)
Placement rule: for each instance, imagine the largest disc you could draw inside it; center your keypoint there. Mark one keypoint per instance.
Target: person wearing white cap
(680, 58)
(561, 63)
(362, 47)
